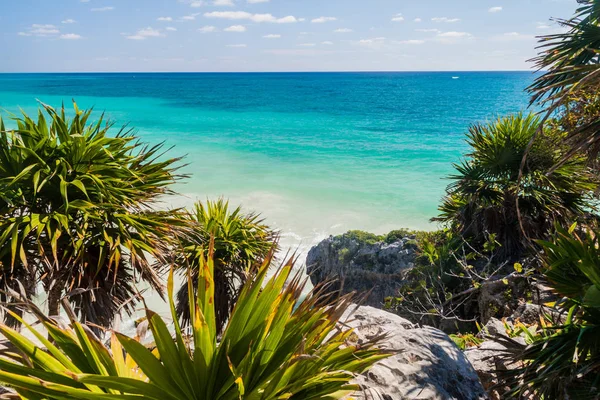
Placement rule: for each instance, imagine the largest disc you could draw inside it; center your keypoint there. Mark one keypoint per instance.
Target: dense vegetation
(79, 215)
(274, 346)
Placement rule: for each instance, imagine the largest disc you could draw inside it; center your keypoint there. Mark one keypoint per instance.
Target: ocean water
(314, 153)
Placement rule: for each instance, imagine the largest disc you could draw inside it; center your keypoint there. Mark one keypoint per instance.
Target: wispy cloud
(398, 18)
(322, 20)
(241, 45)
(343, 30)
(327, 43)
(190, 17)
(243, 15)
(417, 20)
(445, 19)
(68, 21)
(170, 28)
(207, 29)
(272, 36)
(495, 9)
(145, 33)
(226, 3)
(167, 19)
(411, 41)
(41, 30)
(102, 9)
(71, 36)
(235, 28)
(307, 44)
(257, 1)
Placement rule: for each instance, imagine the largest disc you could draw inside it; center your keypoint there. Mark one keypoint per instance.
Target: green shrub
(275, 346)
(482, 200)
(75, 211)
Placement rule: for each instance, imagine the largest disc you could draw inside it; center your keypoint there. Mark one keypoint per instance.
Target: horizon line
(265, 72)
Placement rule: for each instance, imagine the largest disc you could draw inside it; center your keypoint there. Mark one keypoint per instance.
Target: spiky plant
(75, 211)
(564, 361)
(275, 346)
(481, 200)
(241, 242)
(571, 66)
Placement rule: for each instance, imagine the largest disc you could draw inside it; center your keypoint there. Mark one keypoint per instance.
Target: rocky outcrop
(362, 262)
(426, 364)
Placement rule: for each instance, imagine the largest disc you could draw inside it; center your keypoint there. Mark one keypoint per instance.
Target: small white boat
(455, 77)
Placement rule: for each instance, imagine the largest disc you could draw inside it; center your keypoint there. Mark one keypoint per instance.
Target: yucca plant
(75, 211)
(481, 201)
(275, 346)
(241, 243)
(564, 360)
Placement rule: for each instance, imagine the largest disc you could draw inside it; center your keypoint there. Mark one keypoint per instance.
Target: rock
(488, 359)
(362, 262)
(491, 357)
(426, 363)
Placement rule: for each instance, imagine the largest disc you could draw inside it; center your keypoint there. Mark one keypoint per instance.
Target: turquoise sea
(315, 153)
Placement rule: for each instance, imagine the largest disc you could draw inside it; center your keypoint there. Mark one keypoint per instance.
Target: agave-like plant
(564, 361)
(241, 243)
(275, 346)
(75, 211)
(482, 199)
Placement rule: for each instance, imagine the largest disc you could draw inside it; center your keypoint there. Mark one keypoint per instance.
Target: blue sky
(273, 35)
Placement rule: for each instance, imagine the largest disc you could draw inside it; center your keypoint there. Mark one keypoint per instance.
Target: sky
(273, 35)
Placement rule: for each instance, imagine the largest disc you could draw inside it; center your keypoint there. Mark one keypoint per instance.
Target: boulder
(362, 262)
(426, 364)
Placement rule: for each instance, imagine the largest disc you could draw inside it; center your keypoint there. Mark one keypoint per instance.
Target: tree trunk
(54, 297)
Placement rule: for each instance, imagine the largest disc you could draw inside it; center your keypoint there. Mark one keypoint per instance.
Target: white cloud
(375, 42)
(398, 18)
(68, 21)
(196, 3)
(495, 9)
(102, 9)
(454, 34)
(444, 19)
(70, 36)
(307, 44)
(541, 25)
(257, 1)
(411, 41)
(170, 28)
(207, 29)
(327, 43)
(243, 15)
(513, 36)
(322, 20)
(167, 19)
(428, 30)
(272, 36)
(145, 33)
(343, 30)
(227, 3)
(237, 45)
(190, 17)
(235, 28)
(84, 1)
(41, 30)
(417, 20)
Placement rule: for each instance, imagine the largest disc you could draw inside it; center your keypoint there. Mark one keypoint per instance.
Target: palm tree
(481, 201)
(75, 211)
(572, 66)
(241, 243)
